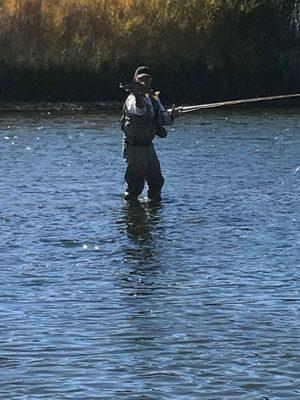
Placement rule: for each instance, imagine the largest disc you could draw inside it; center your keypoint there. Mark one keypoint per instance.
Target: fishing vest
(140, 130)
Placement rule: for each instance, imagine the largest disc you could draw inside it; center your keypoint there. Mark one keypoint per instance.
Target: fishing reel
(139, 88)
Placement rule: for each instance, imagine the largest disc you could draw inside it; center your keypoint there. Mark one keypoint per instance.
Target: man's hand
(137, 89)
(174, 112)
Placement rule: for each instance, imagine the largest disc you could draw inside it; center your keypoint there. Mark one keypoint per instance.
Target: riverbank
(117, 105)
(60, 106)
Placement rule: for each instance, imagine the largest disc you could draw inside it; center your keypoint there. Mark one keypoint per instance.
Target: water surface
(195, 299)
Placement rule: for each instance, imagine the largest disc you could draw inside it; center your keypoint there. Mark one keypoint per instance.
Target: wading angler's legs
(136, 159)
(154, 176)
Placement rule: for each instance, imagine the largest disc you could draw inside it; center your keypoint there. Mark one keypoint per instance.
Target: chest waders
(140, 155)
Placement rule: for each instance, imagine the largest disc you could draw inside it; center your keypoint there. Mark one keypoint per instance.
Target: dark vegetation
(199, 50)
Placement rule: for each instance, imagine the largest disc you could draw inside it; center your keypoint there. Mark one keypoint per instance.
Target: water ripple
(195, 299)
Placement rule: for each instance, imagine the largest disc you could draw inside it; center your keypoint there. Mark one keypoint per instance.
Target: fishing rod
(187, 109)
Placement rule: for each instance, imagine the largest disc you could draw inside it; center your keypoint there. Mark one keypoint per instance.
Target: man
(143, 118)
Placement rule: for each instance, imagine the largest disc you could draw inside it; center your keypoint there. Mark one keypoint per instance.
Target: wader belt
(138, 144)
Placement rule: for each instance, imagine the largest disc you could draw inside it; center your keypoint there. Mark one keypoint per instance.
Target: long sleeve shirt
(164, 116)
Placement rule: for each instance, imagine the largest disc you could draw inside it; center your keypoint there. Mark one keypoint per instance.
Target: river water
(195, 299)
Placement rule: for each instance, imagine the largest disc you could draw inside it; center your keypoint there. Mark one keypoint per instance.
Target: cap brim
(142, 76)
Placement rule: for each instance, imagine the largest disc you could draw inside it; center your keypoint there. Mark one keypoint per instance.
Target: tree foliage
(198, 49)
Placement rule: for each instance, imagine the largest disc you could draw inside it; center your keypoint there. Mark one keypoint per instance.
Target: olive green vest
(139, 129)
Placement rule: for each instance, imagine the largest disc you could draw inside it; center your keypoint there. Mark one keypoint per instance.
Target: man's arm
(165, 118)
(135, 104)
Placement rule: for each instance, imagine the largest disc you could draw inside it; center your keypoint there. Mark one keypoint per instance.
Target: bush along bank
(200, 50)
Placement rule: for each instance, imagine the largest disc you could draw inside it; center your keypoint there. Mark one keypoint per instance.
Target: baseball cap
(142, 71)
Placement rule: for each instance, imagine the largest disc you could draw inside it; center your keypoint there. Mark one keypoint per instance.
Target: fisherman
(143, 118)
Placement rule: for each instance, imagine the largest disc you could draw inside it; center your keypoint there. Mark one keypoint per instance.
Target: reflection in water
(140, 218)
(141, 222)
(137, 219)
(142, 266)
(142, 292)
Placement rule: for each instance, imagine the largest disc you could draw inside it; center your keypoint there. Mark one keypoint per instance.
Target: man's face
(146, 80)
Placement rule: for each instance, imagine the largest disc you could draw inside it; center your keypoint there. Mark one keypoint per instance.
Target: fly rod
(187, 109)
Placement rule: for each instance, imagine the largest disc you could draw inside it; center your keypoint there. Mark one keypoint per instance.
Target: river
(197, 298)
